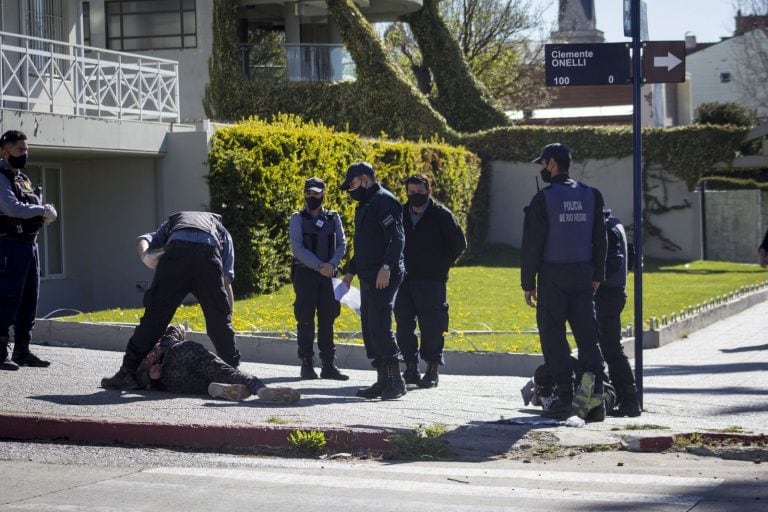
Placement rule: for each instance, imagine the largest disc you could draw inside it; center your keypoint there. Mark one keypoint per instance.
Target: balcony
(42, 75)
(303, 63)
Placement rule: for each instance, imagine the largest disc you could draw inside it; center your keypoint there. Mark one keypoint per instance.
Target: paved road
(64, 478)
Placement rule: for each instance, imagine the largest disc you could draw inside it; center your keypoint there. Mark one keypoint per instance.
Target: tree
(498, 39)
(751, 56)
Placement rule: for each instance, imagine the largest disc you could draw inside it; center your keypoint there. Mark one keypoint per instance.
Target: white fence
(52, 76)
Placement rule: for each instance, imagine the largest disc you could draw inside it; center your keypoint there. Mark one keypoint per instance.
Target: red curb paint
(649, 444)
(196, 435)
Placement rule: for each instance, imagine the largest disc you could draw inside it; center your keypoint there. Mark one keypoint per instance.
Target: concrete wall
(513, 185)
(736, 223)
(183, 172)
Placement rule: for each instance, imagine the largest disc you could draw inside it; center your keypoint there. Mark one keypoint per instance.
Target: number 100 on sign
(587, 64)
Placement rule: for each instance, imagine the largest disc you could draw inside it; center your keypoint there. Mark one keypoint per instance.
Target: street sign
(663, 62)
(587, 64)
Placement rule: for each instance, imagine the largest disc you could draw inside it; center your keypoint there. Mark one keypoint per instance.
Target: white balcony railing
(52, 76)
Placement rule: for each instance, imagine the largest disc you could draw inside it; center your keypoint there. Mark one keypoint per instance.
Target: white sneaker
(285, 395)
(233, 392)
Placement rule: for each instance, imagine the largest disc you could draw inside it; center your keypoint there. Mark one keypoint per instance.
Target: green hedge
(689, 152)
(257, 172)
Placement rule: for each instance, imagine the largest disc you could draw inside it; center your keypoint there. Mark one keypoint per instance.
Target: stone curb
(191, 435)
(650, 443)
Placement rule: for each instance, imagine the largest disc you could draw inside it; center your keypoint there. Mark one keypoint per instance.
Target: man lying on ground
(182, 366)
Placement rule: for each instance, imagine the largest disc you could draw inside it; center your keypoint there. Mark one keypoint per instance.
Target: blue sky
(668, 20)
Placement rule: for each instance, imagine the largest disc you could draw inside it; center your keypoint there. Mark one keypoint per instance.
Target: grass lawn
(485, 295)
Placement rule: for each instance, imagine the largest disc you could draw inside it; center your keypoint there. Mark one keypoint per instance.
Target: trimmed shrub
(257, 173)
(724, 113)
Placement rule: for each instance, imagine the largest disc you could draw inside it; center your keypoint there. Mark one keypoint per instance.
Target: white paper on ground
(347, 295)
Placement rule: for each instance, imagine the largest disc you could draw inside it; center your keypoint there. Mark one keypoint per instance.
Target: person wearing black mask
(564, 248)
(318, 245)
(433, 241)
(378, 264)
(22, 215)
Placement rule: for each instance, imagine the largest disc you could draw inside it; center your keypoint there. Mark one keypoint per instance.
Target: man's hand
(382, 278)
(595, 285)
(50, 214)
(230, 293)
(530, 298)
(326, 270)
(763, 257)
(347, 280)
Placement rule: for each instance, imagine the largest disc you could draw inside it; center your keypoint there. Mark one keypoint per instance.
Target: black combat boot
(430, 378)
(630, 405)
(411, 373)
(331, 371)
(5, 364)
(123, 379)
(377, 388)
(23, 357)
(394, 385)
(562, 408)
(308, 368)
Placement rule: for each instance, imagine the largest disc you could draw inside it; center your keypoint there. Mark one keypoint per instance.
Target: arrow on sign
(670, 62)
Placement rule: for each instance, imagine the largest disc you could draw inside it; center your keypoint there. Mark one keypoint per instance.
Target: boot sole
(231, 392)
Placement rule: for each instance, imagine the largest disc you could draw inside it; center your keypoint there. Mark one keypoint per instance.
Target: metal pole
(703, 192)
(637, 162)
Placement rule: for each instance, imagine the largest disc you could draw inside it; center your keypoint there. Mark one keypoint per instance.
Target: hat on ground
(355, 170)
(314, 184)
(557, 151)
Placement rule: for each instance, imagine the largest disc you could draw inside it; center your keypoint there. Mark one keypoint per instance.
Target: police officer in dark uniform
(22, 214)
(564, 245)
(433, 241)
(762, 252)
(378, 263)
(610, 299)
(318, 245)
(197, 257)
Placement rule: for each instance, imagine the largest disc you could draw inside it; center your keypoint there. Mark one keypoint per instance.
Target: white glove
(49, 215)
(151, 258)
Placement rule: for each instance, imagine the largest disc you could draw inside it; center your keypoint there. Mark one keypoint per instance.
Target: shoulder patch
(388, 220)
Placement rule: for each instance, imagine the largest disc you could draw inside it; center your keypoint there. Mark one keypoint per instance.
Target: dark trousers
(314, 296)
(188, 367)
(376, 320)
(185, 268)
(423, 300)
(19, 289)
(609, 303)
(565, 293)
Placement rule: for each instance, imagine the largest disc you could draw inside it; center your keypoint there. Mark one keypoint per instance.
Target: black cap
(557, 151)
(12, 136)
(355, 170)
(314, 184)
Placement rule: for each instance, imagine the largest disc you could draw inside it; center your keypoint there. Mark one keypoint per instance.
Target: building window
(87, 23)
(44, 19)
(50, 241)
(725, 78)
(151, 24)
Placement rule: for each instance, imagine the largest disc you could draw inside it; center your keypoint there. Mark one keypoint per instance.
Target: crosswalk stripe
(347, 482)
(464, 471)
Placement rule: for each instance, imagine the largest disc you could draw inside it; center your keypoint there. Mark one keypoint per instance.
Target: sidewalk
(713, 380)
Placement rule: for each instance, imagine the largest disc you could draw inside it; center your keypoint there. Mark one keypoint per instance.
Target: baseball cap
(314, 184)
(355, 170)
(557, 151)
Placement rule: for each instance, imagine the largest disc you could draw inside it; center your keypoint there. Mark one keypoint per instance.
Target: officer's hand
(595, 285)
(530, 298)
(382, 278)
(326, 270)
(50, 214)
(347, 279)
(151, 258)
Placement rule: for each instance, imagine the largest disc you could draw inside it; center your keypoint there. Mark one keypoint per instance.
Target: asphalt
(714, 381)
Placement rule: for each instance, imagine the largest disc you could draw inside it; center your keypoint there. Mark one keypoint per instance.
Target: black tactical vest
(319, 235)
(202, 221)
(571, 213)
(22, 189)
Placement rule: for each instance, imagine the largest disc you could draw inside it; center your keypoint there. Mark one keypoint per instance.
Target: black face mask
(313, 203)
(17, 162)
(418, 200)
(358, 194)
(546, 175)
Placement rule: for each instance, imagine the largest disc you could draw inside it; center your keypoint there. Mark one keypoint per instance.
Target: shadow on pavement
(657, 371)
(106, 397)
(744, 349)
(732, 390)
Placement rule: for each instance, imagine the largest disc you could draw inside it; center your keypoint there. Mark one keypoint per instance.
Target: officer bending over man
(318, 245)
(433, 241)
(197, 258)
(22, 215)
(564, 246)
(187, 367)
(378, 263)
